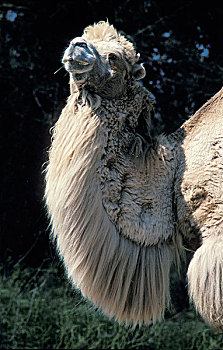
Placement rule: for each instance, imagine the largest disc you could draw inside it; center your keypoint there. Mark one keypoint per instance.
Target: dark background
(180, 43)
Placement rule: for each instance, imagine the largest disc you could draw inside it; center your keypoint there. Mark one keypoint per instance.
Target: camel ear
(139, 71)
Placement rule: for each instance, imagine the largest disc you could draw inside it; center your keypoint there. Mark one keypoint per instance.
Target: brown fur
(199, 198)
(110, 188)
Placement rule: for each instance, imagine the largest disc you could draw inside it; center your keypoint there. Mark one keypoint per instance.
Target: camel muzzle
(78, 57)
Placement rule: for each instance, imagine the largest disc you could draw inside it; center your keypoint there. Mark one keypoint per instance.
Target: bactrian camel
(125, 205)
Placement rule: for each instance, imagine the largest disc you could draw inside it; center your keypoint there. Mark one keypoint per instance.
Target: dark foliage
(180, 43)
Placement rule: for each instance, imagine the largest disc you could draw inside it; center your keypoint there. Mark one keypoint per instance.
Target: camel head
(102, 61)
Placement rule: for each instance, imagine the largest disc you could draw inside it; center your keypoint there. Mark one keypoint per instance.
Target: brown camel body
(123, 205)
(199, 201)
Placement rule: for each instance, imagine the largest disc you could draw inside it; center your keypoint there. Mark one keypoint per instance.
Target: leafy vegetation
(40, 310)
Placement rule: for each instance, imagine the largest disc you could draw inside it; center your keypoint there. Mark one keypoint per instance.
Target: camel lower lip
(77, 66)
(82, 62)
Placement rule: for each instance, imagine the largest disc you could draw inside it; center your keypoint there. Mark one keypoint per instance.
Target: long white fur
(205, 279)
(126, 272)
(128, 281)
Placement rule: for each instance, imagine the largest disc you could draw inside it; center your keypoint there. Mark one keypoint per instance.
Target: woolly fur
(110, 199)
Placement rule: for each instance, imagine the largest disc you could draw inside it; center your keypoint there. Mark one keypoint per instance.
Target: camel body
(199, 201)
(123, 206)
(200, 175)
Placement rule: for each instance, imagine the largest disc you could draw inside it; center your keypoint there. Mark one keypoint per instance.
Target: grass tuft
(40, 310)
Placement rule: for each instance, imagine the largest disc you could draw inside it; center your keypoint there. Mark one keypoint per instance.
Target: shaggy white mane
(103, 31)
(119, 201)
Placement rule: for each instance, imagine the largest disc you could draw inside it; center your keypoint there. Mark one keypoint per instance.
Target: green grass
(40, 310)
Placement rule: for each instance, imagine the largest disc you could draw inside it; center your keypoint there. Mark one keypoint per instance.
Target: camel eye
(112, 57)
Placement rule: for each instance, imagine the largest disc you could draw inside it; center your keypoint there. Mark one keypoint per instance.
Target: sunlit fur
(199, 198)
(111, 202)
(128, 281)
(205, 276)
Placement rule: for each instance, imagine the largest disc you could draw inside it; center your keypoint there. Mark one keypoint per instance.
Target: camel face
(100, 67)
(103, 62)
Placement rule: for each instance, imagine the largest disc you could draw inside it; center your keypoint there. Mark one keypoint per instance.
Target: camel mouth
(78, 57)
(77, 66)
(84, 63)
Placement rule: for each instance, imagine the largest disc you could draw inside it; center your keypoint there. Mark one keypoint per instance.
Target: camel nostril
(80, 44)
